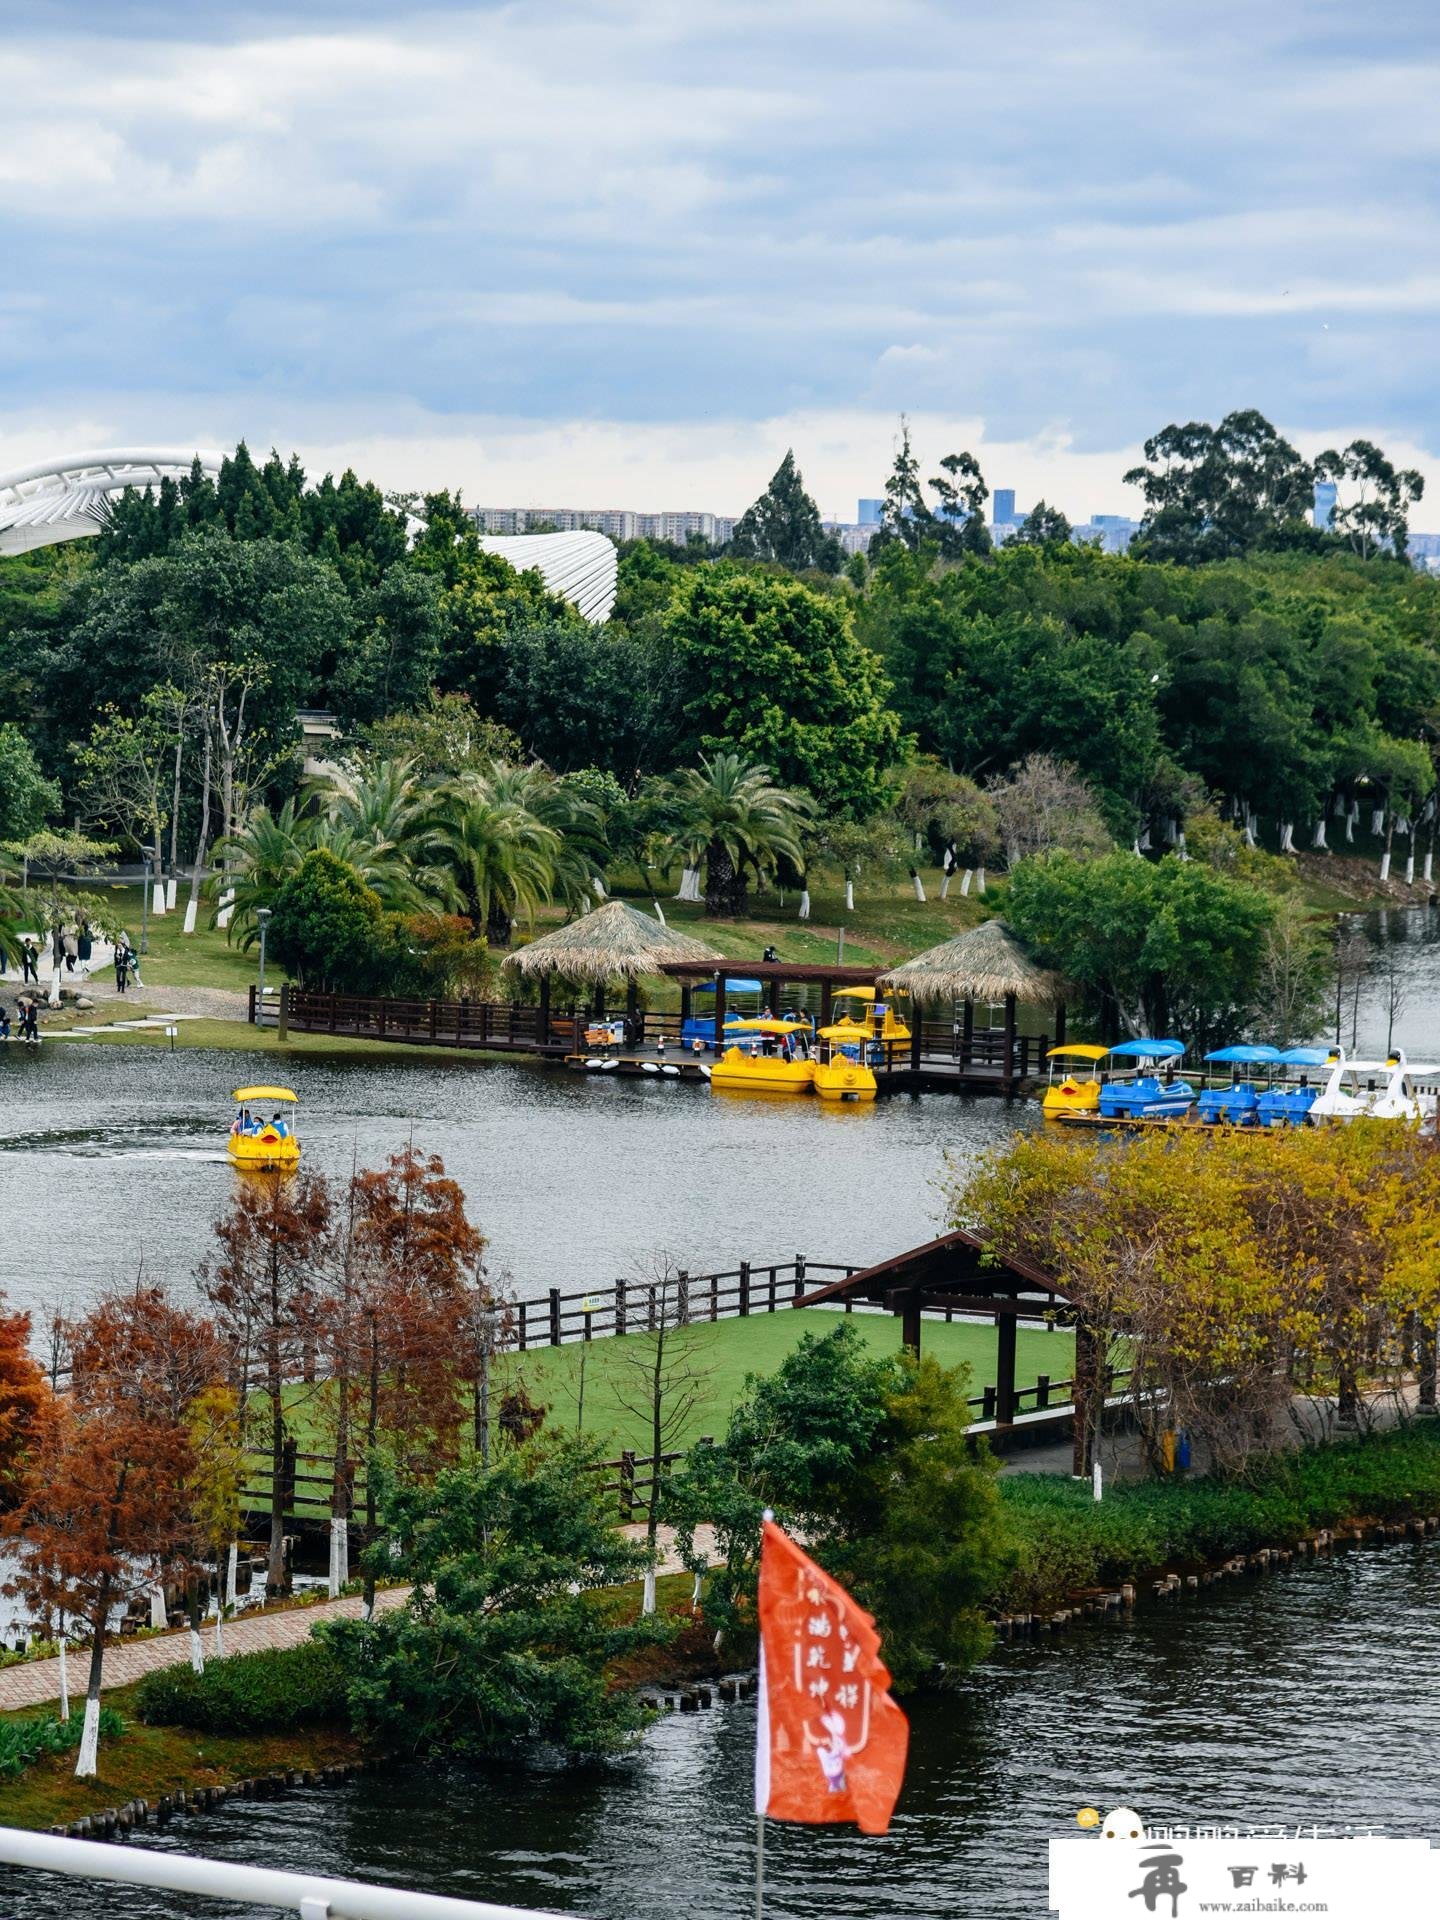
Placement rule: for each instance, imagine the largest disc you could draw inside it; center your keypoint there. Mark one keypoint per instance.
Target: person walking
(28, 957)
(84, 947)
(122, 963)
(29, 1022)
(70, 943)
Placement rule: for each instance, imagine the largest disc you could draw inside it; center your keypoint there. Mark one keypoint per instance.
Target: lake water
(1308, 1696)
(1407, 941)
(112, 1158)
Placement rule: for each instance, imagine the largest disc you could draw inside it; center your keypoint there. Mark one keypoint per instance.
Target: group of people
(251, 1124)
(27, 1017)
(73, 950)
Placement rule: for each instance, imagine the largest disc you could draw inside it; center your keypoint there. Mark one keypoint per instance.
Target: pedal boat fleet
(789, 1055)
(1243, 1086)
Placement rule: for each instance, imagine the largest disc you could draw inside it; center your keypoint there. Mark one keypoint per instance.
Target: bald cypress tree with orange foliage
(104, 1515)
(265, 1286)
(25, 1405)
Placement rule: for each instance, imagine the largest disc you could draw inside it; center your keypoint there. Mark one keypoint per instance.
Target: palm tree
(729, 812)
(501, 858)
(579, 875)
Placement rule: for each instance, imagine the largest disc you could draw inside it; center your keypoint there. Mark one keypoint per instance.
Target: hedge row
(1067, 1541)
(271, 1692)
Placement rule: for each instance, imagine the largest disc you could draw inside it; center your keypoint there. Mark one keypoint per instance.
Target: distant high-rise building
(1109, 520)
(869, 512)
(1325, 497)
(1004, 498)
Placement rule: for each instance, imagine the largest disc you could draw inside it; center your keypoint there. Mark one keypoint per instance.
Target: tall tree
(1213, 492)
(265, 1286)
(772, 671)
(104, 1516)
(1375, 516)
(784, 525)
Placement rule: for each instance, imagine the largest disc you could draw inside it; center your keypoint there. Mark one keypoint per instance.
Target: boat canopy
(1307, 1056)
(853, 993)
(1149, 1049)
(845, 1030)
(731, 986)
(768, 1026)
(1077, 1053)
(264, 1093)
(1248, 1056)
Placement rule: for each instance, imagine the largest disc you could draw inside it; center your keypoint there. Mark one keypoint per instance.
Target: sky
(625, 252)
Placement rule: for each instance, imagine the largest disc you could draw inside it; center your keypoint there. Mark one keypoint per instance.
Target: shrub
(271, 1692)
(1068, 1541)
(23, 1742)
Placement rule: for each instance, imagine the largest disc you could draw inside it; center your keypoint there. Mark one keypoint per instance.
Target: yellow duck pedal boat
(256, 1142)
(1075, 1091)
(746, 1065)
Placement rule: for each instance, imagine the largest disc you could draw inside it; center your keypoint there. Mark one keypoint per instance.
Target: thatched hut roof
(987, 963)
(613, 942)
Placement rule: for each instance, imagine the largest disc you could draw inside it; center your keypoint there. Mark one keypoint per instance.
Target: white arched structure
(67, 499)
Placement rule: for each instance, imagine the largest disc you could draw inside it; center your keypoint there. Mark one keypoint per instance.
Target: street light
(262, 917)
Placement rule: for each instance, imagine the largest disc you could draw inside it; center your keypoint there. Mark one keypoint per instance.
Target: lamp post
(262, 918)
(145, 908)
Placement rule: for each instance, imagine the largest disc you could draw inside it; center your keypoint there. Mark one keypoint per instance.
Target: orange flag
(831, 1742)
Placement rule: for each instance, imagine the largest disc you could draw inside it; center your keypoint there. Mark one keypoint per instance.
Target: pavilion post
(910, 1321)
(777, 987)
(1004, 1369)
(544, 1015)
(599, 999)
(719, 1012)
(827, 1003)
(967, 1033)
(632, 1000)
(1059, 1023)
(685, 992)
(917, 1033)
(1009, 1073)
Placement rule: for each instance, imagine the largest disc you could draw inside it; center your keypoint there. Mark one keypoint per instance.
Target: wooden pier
(950, 1055)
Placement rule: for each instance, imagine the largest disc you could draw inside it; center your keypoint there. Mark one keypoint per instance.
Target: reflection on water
(111, 1157)
(1405, 967)
(1310, 1696)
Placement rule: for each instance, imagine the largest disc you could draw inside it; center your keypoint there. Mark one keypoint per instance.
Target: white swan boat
(1374, 1090)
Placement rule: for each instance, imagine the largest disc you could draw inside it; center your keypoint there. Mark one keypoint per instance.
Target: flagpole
(759, 1866)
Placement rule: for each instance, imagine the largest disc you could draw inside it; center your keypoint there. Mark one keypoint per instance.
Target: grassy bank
(236, 1036)
(1067, 1542)
(144, 1763)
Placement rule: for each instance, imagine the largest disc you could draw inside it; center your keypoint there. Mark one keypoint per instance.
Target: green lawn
(204, 959)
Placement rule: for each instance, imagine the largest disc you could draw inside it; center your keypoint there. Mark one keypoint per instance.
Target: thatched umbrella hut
(988, 964)
(613, 942)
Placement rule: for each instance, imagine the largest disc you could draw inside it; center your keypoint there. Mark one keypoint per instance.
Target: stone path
(34, 1682)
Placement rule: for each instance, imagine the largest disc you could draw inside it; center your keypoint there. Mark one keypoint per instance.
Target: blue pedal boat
(1147, 1096)
(1287, 1105)
(1237, 1105)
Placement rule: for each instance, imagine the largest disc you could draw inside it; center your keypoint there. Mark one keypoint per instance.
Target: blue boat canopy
(1148, 1050)
(1249, 1056)
(1304, 1057)
(731, 986)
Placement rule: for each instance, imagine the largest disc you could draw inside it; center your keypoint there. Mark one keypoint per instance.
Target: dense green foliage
(867, 1459)
(23, 1742)
(502, 1641)
(1069, 1542)
(271, 1692)
(784, 526)
(330, 930)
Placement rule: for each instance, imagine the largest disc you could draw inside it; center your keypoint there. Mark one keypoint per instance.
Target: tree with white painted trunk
(659, 1379)
(217, 1440)
(105, 1513)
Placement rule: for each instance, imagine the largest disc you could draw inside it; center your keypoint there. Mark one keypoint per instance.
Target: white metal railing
(309, 1895)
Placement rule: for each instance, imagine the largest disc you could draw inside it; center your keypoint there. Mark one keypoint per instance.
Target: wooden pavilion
(957, 1274)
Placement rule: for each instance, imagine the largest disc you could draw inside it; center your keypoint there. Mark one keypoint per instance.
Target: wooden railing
(945, 1046)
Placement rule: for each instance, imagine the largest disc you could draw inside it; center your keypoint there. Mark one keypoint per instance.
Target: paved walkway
(33, 1682)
